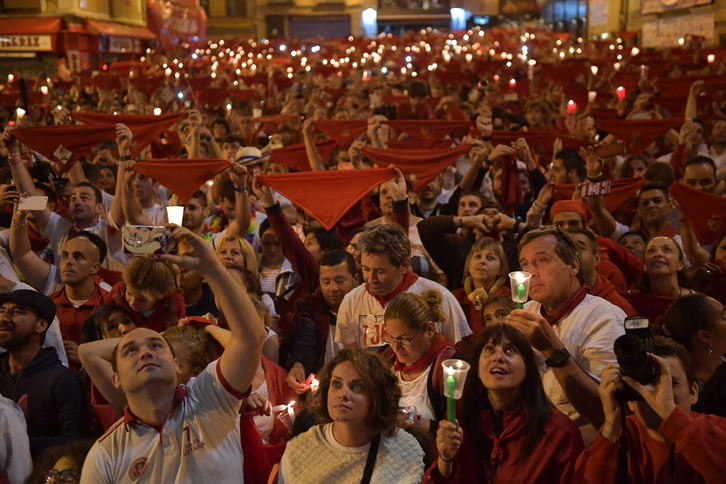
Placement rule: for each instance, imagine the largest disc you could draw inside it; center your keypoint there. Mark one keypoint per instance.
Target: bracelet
(447, 461)
(15, 160)
(417, 419)
(517, 223)
(486, 138)
(240, 190)
(18, 223)
(594, 177)
(124, 157)
(536, 204)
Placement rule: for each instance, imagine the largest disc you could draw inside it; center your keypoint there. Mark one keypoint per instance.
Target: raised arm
(241, 223)
(239, 361)
(131, 206)
(123, 140)
(96, 359)
(28, 263)
(23, 180)
(314, 158)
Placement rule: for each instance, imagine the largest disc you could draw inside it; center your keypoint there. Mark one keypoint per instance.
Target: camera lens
(632, 358)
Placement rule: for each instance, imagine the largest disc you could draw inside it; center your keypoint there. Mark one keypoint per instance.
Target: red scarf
(169, 147)
(148, 85)
(407, 281)
(620, 192)
(511, 186)
(438, 345)
(144, 127)
(574, 301)
(429, 131)
(638, 134)
(420, 166)
(327, 195)
(414, 144)
(705, 212)
(344, 132)
(46, 140)
(295, 157)
(182, 177)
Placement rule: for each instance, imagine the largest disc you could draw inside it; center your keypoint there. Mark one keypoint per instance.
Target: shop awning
(29, 26)
(118, 30)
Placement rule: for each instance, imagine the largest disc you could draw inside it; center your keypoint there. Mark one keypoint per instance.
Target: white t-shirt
(588, 332)
(360, 317)
(156, 214)
(199, 442)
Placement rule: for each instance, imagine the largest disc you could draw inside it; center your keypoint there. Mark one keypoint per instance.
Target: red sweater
(551, 461)
(168, 311)
(607, 291)
(700, 442)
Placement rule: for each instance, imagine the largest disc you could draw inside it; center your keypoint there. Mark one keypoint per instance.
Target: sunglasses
(66, 475)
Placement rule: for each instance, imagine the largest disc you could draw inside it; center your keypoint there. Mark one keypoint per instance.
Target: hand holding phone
(29, 203)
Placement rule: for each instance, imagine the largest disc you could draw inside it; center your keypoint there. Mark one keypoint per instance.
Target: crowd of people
(256, 262)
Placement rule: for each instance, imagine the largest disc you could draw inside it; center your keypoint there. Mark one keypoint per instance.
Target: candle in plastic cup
(519, 282)
(620, 91)
(591, 96)
(157, 111)
(455, 371)
(450, 401)
(711, 58)
(571, 107)
(175, 214)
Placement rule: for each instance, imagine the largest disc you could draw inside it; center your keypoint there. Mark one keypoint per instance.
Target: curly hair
(381, 387)
(75, 450)
(388, 240)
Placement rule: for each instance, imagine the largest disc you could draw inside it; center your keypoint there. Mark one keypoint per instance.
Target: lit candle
(571, 106)
(512, 83)
(314, 385)
(19, 113)
(167, 72)
(450, 401)
(634, 51)
(711, 58)
(594, 70)
(11, 78)
(591, 96)
(278, 408)
(157, 111)
(620, 91)
(521, 291)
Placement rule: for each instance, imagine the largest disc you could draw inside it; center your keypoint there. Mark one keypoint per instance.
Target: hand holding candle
(519, 282)
(455, 376)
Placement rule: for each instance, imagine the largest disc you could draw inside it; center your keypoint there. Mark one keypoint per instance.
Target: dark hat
(38, 302)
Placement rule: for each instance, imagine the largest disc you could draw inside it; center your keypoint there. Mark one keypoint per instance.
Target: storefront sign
(26, 43)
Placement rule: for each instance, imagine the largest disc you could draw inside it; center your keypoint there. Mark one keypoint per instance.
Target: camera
(631, 351)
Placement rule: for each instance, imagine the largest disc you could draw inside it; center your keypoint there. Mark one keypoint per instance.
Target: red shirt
(71, 318)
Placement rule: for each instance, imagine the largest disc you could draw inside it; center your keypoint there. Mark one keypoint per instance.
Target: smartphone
(32, 203)
(147, 240)
(613, 149)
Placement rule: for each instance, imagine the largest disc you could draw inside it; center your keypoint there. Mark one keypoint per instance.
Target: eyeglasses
(401, 341)
(66, 475)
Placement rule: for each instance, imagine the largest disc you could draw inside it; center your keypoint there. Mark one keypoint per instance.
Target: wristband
(536, 204)
(124, 157)
(18, 223)
(517, 223)
(594, 177)
(240, 190)
(486, 138)
(15, 160)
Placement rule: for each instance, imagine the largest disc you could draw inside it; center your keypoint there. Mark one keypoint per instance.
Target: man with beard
(428, 200)
(33, 377)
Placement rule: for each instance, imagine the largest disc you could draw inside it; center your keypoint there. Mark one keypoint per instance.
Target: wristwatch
(558, 358)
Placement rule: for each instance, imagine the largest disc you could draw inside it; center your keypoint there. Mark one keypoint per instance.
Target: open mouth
(498, 371)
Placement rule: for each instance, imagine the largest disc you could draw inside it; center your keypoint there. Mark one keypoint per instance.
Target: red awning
(25, 26)
(118, 30)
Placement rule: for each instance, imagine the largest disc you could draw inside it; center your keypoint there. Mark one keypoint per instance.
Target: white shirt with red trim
(360, 318)
(198, 443)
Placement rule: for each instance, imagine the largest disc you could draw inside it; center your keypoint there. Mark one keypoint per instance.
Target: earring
(710, 350)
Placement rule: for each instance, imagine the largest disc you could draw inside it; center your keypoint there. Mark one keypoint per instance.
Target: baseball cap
(38, 302)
